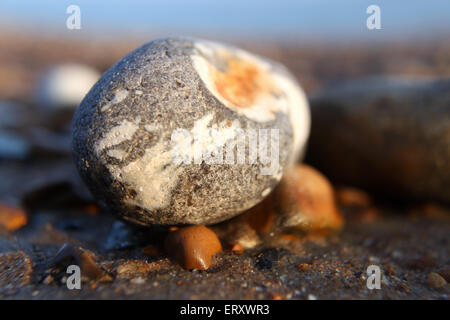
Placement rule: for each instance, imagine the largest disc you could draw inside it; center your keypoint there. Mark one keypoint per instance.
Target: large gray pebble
(122, 131)
(390, 135)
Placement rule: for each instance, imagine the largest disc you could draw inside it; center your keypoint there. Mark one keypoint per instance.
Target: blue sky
(314, 18)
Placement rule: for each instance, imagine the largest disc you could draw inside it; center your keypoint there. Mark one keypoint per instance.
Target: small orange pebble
(237, 247)
(277, 297)
(151, 251)
(348, 196)
(192, 247)
(306, 200)
(12, 218)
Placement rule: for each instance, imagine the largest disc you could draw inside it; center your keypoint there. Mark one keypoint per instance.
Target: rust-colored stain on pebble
(192, 247)
(242, 82)
(12, 218)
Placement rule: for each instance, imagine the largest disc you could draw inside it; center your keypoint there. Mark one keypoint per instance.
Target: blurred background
(50, 55)
(379, 136)
(309, 36)
(47, 63)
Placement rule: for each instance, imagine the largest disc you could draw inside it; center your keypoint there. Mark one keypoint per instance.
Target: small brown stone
(193, 246)
(83, 259)
(306, 200)
(435, 281)
(303, 201)
(12, 218)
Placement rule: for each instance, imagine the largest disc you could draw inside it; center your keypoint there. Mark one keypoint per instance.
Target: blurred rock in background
(385, 134)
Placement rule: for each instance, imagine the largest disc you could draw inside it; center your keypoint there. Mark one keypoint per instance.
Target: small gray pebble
(123, 132)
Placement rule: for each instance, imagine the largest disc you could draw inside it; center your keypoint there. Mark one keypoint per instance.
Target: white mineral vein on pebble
(117, 153)
(120, 95)
(153, 177)
(225, 133)
(122, 132)
(212, 137)
(152, 127)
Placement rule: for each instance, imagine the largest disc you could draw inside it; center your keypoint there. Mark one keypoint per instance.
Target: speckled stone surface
(391, 135)
(123, 131)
